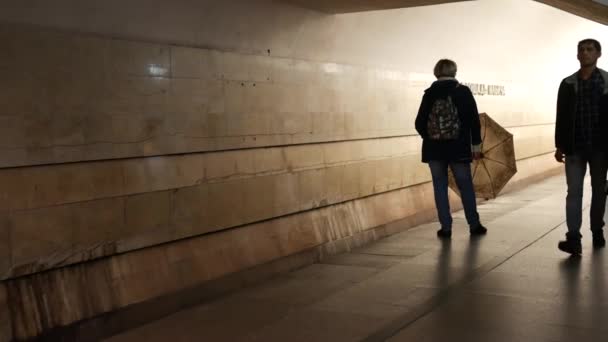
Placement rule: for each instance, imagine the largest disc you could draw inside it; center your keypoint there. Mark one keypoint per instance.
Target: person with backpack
(448, 123)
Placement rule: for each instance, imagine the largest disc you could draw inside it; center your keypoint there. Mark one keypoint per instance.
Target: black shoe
(598, 240)
(479, 230)
(570, 246)
(444, 233)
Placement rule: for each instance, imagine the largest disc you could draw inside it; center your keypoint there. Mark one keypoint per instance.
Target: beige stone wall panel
(117, 99)
(47, 237)
(87, 210)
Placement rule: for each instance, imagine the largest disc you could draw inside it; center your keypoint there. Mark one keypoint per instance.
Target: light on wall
(157, 70)
(331, 68)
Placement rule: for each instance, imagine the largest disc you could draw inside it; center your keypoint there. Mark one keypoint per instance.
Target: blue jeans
(464, 180)
(576, 167)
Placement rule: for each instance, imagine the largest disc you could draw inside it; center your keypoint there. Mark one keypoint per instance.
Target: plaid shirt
(587, 122)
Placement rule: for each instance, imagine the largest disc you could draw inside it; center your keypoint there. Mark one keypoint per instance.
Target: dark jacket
(566, 115)
(470, 132)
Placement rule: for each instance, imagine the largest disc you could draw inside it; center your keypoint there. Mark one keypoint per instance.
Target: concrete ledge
(114, 322)
(43, 303)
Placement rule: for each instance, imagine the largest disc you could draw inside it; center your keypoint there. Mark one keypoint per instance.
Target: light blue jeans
(464, 180)
(576, 167)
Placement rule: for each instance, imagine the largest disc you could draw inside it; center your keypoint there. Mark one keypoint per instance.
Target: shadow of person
(570, 269)
(472, 255)
(451, 275)
(447, 272)
(444, 264)
(597, 300)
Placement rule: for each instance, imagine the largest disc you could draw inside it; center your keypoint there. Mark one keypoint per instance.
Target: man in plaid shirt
(581, 139)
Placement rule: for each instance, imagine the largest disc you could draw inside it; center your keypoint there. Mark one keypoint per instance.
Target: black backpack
(444, 122)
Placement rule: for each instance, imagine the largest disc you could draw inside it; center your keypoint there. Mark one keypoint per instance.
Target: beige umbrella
(495, 169)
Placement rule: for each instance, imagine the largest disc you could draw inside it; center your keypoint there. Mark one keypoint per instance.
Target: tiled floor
(511, 285)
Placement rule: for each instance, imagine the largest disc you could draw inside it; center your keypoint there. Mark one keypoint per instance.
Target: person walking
(581, 139)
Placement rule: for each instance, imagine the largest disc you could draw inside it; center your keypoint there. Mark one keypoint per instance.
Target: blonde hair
(445, 68)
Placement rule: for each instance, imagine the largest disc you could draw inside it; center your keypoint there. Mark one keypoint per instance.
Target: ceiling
(596, 10)
(347, 6)
(590, 9)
